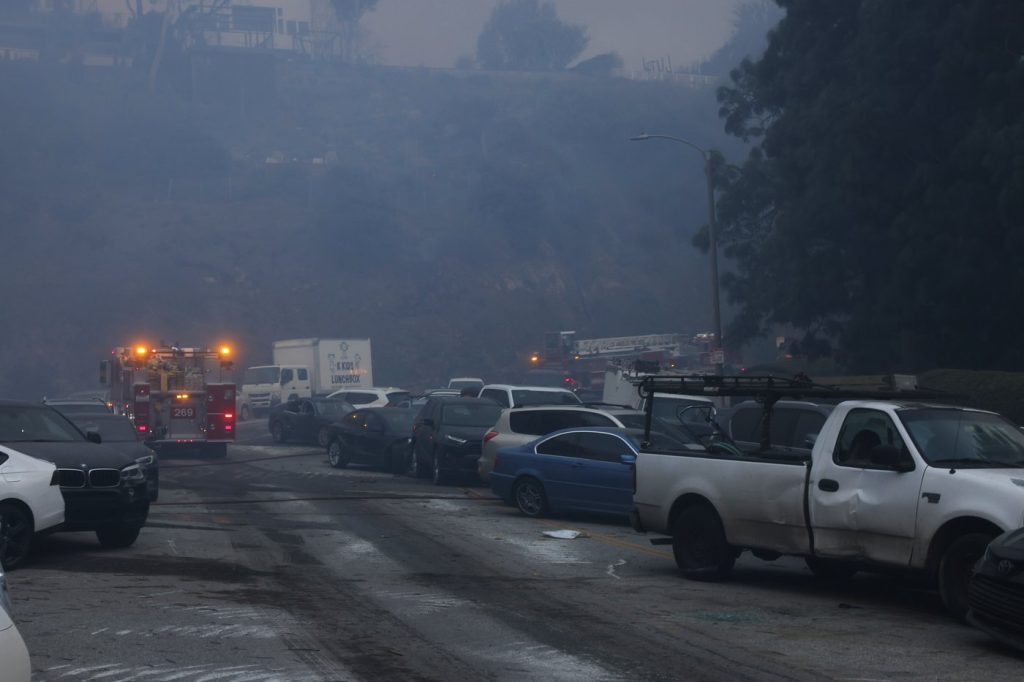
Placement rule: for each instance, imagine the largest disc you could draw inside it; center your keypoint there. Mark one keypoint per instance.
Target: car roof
(523, 387)
(455, 399)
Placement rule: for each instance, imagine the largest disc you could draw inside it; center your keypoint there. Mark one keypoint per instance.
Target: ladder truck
(175, 396)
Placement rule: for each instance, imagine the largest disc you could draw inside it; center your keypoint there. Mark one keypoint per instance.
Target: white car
(508, 395)
(14, 662)
(30, 501)
(373, 397)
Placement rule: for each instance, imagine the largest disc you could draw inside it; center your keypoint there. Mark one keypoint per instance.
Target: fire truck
(175, 396)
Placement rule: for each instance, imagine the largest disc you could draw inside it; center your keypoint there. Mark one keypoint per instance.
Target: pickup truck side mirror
(890, 457)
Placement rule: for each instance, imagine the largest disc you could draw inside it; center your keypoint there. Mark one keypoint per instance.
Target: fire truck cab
(175, 396)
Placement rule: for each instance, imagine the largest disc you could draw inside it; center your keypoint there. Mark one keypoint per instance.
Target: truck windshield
(947, 437)
(35, 424)
(262, 375)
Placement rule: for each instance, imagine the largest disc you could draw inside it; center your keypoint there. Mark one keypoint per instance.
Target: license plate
(183, 413)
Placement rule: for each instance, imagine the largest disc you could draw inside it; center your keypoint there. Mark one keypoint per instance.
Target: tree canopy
(881, 208)
(528, 35)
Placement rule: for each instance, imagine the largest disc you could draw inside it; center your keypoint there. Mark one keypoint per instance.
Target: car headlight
(145, 460)
(454, 439)
(132, 474)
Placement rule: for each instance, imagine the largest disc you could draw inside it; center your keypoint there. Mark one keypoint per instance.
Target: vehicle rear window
(357, 398)
(470, 414)
(522, 397)
(395, 397)
(497, 395)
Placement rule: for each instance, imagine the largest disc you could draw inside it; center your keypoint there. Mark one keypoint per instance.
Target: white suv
(373, 397)
(508, 395)
(520, 426)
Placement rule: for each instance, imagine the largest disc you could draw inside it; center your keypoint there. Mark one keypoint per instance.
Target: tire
(16, 533)
(278, 433)
(699, 545)
(437, 473)
(831, 569)
(336, 454)
(528, 495)
(244, 414)
(322, 437)
(117, 537)
(955, 568)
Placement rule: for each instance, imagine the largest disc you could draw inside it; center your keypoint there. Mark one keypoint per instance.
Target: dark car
(996, 593)
(447, 436)
(306, 419)
(104, 490)
(378, 436)
(119, 434)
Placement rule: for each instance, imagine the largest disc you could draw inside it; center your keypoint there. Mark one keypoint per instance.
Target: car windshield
(947, 437)
(262, 375)
(470, 414)
(525, 396)
(333, 408)
(35, 424)
(112, 430)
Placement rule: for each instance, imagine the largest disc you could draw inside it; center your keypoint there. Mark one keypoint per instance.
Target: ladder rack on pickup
(770, 389)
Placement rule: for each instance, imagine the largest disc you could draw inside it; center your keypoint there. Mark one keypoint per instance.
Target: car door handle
(828, 485)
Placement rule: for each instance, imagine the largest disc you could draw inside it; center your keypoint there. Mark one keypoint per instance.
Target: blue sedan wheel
(528, 494)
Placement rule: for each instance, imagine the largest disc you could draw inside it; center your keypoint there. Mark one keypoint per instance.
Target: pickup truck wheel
(277, 432)
(699, 545)
(955, 568)
(528, 495)
(16, 531)
(831, 569)
(117, 537)
(336, 454)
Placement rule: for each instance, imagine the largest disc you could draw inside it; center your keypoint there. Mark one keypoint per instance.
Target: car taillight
(490, 435)
(228, 416)
(142, 428)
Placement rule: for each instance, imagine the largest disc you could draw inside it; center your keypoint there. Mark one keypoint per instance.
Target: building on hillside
(308, 27)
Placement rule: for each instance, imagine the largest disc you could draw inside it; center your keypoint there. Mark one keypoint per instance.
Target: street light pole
(709, 172)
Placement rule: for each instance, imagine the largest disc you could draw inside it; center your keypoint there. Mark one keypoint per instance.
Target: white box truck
(304, 368)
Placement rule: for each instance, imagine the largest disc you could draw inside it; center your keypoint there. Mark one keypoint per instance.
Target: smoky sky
(437, 32)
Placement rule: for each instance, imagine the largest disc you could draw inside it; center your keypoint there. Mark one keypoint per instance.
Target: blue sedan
(579, 469)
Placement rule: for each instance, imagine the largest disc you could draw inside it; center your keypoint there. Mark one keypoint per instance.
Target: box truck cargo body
(333, 363)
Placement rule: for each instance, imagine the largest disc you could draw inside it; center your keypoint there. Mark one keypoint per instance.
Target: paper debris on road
(564, 534)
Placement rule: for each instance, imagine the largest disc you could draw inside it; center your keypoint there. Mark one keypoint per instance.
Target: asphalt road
(270, 565)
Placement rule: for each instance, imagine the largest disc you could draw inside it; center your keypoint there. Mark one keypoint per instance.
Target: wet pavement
(271, 565)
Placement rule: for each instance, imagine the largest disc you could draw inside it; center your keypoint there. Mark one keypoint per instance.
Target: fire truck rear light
(229, 416)
(142, 428)
(228, 427)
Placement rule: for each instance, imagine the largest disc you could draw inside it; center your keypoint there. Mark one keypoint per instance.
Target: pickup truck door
(862, 504)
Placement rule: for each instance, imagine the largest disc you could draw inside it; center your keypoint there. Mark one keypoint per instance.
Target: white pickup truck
(888, 483)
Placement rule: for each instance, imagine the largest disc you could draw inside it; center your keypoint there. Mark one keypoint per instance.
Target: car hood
(1009, 545)
(75, 454)
(132, 450)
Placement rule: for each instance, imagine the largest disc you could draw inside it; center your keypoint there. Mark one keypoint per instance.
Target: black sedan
(997, 590)
(118, 433)
(378, 436)
(306, 419)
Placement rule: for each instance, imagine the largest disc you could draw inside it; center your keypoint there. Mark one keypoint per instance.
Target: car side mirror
(93, 437)
(628, 459)
(890, 457)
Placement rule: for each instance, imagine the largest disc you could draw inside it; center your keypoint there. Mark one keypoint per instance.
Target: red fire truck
(175, 396)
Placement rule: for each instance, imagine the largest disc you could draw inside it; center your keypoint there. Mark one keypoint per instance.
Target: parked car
(306, 419)
(378, 436)
(83, 406)
(996, 592)
(30, 502)
(508, 395)
(16, 666)
(523, 425)
(104, 490)
(419, 401)
(578, 469)
(447, 434)
(373, 397)
(119, 434)
(794, 427)
(459, 383)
